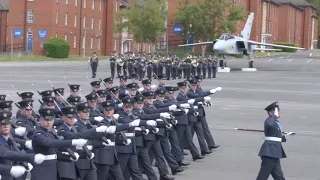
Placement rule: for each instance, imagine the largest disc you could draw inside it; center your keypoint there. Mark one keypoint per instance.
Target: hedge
(287, 44)
(56, 48)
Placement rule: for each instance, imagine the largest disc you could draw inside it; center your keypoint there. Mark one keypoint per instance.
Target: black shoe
(206, 152)
(184, 163)
(198, 157)
(214, 147)
(179, 169)
(166, 177)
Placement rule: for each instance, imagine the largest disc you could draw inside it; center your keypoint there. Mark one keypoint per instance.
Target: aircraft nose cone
(217, 48)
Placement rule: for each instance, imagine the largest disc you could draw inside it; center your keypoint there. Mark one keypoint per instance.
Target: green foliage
(287, 44)
(208, 20)
(144, 19)
(183, 54)
(56, 48)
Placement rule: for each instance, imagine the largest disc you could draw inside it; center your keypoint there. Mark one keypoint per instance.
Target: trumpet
(120, 62)
(194, 63)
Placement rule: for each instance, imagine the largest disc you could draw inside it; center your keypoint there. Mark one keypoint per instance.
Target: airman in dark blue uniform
(74, 89)
(123, 86)
(94, 61)
(59, 99)
(26, 118)
(271, 150)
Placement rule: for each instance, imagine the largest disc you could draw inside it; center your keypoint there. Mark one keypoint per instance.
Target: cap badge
(86, 105)
(76, 99)
(74, 87)
(50, 99)
(7, 103)
(48, 112)
(28, 94)
(5, 115)
(71, 110)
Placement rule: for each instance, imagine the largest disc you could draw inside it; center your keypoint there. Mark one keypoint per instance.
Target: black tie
(88, 126)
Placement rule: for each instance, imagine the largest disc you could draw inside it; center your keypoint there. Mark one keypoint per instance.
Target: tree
(316, 4)
(144, 19)
(209, 19)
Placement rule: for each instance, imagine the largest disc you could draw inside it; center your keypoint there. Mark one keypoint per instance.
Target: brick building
(4, 9)
(86, 24)
(292, 21)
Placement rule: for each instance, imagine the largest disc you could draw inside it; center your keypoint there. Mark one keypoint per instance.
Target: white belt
(273, 139)
(50, 157)
(111, 144)
(129, 134)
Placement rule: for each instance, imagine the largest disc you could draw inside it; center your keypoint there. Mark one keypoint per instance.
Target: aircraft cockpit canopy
(226, 37)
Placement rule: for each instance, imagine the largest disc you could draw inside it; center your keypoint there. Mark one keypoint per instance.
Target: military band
(117, 132)
(148, 66)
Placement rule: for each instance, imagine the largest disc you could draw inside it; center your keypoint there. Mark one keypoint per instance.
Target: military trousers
(129, 166)
(175, 145)
(114, 171)
(185, 139)
(112, 66)
(88, 174)
(94, 67)
(145, 165)
(155, 152)
(269, 166)
(196, 127)
(207, 134)
(165, 146)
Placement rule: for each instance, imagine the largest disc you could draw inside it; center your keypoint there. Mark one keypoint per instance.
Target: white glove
(28, 144)
(111, 129)
(156, 130)
(20, 131)
(165, 115)
(89, 60)
(116, 116)
(153, 86)
(185, 105)
(99, 118)
(147, 132)
(17, 171)
(105, 144)
(128, 142)
(276, 112)
(137, 129)
(207, 98)
(90, 147)
(30, 167)
(195, 107)
(127, 92)
(175, 121)
(135, 123)
(101, 129)
(169, 126)
(191, 101)
(173, 107)
(290, 134)
(77, 157)
(186, 111)
(218, 89)
(151, 123)
(39, 158)
(200, 103)
(159, 120)
(120, 105)
(79, 142)
(75, 120)
(213, 91)
(92, 156)
(141, 89)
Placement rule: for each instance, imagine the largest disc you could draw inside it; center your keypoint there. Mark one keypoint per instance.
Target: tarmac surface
(293, 80)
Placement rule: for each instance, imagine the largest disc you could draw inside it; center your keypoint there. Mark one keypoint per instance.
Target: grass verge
(37, 58)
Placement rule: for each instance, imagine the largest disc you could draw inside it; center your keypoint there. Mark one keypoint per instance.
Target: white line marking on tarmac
(290, 60)
(309, 60)
(270, 59)
(280, 57)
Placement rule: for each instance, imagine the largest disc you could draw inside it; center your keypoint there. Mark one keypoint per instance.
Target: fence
(6, 48)
(173, 47)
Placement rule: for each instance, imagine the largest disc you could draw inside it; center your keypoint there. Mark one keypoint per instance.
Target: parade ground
(293, 80)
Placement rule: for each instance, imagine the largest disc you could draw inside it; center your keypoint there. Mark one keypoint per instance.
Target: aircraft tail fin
(245, 33)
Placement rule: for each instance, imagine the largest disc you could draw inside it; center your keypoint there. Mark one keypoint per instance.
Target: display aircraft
(229, 44)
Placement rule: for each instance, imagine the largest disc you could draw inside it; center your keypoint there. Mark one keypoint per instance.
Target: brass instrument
(120, 62)
(194, 63)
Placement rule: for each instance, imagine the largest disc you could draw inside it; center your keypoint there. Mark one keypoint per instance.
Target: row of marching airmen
(114, 132)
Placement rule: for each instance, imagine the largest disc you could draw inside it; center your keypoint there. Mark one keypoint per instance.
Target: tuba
(194, 63)
(120, 62)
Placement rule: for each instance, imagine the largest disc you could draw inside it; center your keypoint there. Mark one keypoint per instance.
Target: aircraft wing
(273, 45)
(200, 43)
(262, 49)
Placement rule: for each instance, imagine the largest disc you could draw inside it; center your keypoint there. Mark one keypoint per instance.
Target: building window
(57, 17)
(74, 41)
(92, 23)
(75, 20)
(115, 45)
(91, 43)
(116, 6)
(56, 35)
(99, 24)
(84, 3)
(30, 16)
(84, 21)
(67, 1)
(99, 43)
(100, 5)
(57, 1)
(76, 2)
(66, 37)
(66, 19)
(92, 4)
